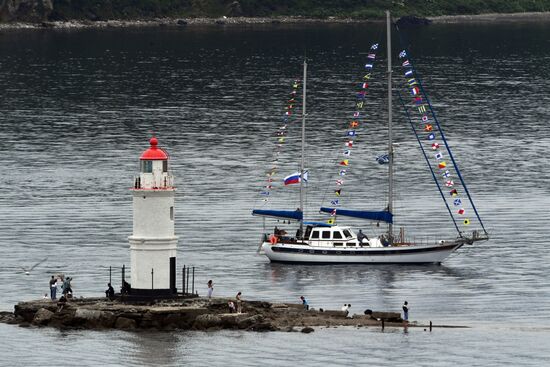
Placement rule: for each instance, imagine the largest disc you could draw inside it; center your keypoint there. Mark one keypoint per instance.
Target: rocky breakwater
(186, 314)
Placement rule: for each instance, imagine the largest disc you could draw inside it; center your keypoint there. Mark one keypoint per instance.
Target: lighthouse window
(164, 166)
(171, 213)
(147, 166)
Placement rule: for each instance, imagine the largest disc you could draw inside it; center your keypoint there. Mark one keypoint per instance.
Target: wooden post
(383, 324)
(430, 326)
(152, 274)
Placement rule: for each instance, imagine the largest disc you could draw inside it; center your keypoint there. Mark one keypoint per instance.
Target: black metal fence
(187, 283)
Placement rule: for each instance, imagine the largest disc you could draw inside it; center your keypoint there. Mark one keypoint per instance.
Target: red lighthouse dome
(154, 153)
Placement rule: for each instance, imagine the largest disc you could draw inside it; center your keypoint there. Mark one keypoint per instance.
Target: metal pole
(110, 274)
(183, 280)
(187, 283)
(152, 273)
(193, 279)
(302, 162)
(390, 132)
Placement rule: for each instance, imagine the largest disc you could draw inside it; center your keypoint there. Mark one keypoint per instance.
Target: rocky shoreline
(189, 314)
(255, 21)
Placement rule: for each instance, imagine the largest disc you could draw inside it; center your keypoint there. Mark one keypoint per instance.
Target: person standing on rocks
(210, 285)
(53, 288)
(67, 290)
(304, 303)
(238, 297)
(406, 311)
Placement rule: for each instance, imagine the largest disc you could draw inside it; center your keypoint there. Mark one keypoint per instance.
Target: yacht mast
(303, 147)
(390, 137)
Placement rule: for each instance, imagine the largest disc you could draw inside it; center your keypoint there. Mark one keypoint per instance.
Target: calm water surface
(77, 109)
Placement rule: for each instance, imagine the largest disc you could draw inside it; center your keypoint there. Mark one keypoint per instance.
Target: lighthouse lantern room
(153, 243)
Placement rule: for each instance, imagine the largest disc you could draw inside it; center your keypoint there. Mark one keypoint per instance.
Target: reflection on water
(77, 109)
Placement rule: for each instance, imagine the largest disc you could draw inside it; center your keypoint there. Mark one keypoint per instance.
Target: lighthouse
(153, 242)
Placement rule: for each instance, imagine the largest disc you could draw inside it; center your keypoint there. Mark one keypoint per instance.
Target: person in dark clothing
(61, 303)
(361, 236)
(406, 311)
(110, 292)
(125, 289)
(53, 288)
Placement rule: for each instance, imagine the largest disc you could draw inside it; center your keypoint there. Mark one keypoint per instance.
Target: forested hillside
(146, 9)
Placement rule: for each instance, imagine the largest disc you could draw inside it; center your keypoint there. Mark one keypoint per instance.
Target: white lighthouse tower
(153, 243)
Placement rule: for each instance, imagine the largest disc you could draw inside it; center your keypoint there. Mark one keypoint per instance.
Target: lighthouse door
(173, 274)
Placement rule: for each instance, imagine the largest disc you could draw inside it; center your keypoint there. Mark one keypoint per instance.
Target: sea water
(77, 109)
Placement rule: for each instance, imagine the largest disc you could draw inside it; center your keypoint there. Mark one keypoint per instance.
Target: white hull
(303, 253)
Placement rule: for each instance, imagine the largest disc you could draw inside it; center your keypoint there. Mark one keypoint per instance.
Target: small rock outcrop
(187, 314)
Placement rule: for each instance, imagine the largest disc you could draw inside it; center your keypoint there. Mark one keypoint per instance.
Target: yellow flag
(330, 221)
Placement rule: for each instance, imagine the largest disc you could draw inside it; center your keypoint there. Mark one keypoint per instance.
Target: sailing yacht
(327, 243)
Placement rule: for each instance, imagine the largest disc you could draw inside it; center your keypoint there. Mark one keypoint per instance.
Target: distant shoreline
(251, 21)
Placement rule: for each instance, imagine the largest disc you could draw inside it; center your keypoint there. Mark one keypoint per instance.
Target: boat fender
(273, 239)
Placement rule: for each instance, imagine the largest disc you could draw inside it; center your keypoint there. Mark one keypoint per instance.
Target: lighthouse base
(148, 295)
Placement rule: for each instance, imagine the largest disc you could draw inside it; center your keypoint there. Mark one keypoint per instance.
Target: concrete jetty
(189, 314)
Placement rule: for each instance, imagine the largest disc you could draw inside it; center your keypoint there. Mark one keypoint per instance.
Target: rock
(220, 22)
(263, 326)
(25, 10)
(125, 323)
(94, 319)
(307, 330)
(203, 322)
(42, 317)
(249, 321)
(6, 317)
(386, 316)
(181, 22)
(412, 21)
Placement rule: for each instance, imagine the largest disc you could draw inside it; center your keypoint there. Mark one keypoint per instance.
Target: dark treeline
(359, 9)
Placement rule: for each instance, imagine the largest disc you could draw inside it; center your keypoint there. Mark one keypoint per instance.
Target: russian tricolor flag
(294, 178)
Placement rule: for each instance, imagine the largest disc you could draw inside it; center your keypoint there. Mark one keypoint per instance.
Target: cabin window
(337, 235)
(164, 166)
(171, 213)
(347, 233)
(147, 166)
(315, 235)
(326, 235)
(350, 244)
(338, 244)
